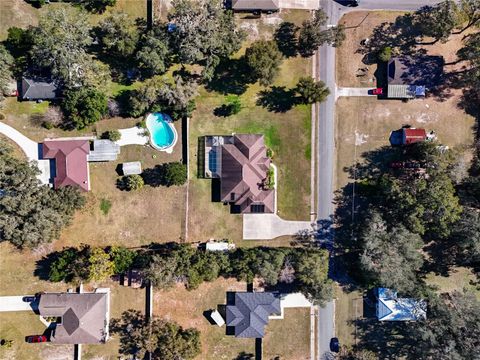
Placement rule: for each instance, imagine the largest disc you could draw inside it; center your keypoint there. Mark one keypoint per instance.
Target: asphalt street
(326, 141)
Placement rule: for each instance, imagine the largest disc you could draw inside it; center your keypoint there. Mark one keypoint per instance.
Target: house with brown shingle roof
(71, 166)
(82, 318)
(241, 164)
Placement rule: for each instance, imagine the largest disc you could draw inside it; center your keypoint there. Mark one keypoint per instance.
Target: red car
(36, 339)
(377, 91)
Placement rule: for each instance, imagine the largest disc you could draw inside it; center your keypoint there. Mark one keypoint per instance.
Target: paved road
(326, 137)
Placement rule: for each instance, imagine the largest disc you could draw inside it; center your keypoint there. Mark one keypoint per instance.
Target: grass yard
(359, 26)
(128, 218)
(287, 133)
(187, 308)
(364, 124)
(289, 338)
(348, 308)
(17, 151)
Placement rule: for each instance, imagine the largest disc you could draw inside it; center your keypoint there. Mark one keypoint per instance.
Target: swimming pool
(163, 135)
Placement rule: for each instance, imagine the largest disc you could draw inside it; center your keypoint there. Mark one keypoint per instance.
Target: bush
(385, 54)
(174, 173)
(270, 180)
(122, 258)
(84, 107)
(132, 182)
(112, 135)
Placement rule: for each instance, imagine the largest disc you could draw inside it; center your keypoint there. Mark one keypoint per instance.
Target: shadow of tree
(231, 76)
(277, 99)
(286, 39)
(244, 356)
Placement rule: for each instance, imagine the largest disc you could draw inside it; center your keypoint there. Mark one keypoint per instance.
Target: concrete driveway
(16, 303)
(298, 4)
(31, 150)
(352, 91)
(270, 226)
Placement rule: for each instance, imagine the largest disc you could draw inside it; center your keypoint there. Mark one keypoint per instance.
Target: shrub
(122, 258)
(112, 135)
(385, 54)
(270, 153)
(105, 206)
(270, 180)
(133, 182)
(84, 107)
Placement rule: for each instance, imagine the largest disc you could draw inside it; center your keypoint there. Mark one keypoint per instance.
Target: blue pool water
(162, 134)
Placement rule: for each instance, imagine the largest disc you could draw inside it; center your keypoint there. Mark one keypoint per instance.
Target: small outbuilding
(217, 317)
(392, 308)
(132, 168)
(407, 136)
(256, 5)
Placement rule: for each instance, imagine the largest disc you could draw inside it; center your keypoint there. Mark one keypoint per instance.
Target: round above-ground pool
(163, 135)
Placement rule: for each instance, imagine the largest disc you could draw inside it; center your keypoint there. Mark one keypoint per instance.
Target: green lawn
(287, 133)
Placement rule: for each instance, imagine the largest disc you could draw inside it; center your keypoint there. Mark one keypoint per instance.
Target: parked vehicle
(334, 345)
(36, 339)
(352, 3)
(376, 91)
(28, 299)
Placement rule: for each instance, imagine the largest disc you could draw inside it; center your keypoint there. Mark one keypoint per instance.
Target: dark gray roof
(415, 70)
(84, 316)
(38, 89)
(255, 4)
(250, 311)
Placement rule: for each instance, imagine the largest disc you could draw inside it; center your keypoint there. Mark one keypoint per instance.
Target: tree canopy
(32, 214)
(118, 33)
(163, 339)
(390, 257)
(264, 59)
(204, 32)
(84, 106)
(154, 55)
(310, 91)
(60, 41)
(6, 74)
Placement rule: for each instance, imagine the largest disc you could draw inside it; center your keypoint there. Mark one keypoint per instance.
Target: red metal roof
(70, 162)
(411, 136)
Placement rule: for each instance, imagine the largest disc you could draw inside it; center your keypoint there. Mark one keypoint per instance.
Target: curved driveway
(30, 148)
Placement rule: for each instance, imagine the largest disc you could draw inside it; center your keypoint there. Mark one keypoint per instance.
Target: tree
(286, 39)
(163, 339)
(118, 34)
(122, 258)
(314, 34)
(6, 75)
(385, 54)
(112, 135)
(84, 106)
(310, 91)
(466, 235)
(19, 41)
(32, 214)
(100, 267)
(451, 330)
(60, 41)
(204, 33)
(311, 270)
(132, 182)
(161, 271)
(160, 94)
(437, 21)
(174, 173)
(269, 265)
(97, 6)
(264, 58)
(153, 56)
(70, 264)
(468, 12)
(390, 258)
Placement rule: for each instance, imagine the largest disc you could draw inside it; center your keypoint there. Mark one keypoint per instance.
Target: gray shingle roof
(250, 311)
(38, 89)
(255, 4)
(84, 316)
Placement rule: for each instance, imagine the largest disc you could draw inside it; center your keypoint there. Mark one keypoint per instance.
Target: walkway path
(16, 303)
(352, 91)
(270, 226)
(132, 136)
(30, 148)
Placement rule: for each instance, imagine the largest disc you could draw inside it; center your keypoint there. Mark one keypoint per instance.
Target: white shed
(132, 168)
(215, 315)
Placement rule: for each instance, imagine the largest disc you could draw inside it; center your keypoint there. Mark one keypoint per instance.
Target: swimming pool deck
(133, 136)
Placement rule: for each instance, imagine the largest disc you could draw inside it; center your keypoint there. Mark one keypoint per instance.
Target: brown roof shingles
(70, 162)
(244, 168)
